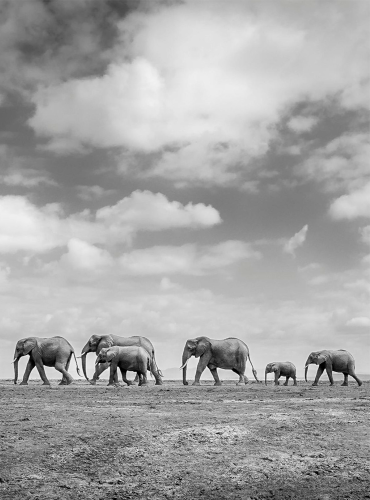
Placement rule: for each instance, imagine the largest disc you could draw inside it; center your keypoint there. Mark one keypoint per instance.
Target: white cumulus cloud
(352, 205)
(296, 241)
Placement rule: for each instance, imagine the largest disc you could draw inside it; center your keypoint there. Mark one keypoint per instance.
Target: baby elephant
(130, 358)
(281, 368)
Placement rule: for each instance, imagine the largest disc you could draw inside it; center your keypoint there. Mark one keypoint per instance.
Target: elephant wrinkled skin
(133, 358)
(98, 342)
(281, 368)
(338, 361)
(53, 351)
(228, 354)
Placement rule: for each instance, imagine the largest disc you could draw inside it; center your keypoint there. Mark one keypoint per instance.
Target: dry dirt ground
(176, 442)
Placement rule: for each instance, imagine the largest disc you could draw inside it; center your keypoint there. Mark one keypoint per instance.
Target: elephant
(339, 361)
(229, 354)
(281, 368)
(97, 342)
(133, 358)
(53, 351)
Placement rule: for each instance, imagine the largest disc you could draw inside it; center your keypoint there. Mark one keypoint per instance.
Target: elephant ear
(94, 339)
(322, 357)
(109, 341)
(202, 346)
(28, 345)
(111, 354)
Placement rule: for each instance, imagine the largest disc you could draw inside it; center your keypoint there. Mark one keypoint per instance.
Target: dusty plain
(183, 442)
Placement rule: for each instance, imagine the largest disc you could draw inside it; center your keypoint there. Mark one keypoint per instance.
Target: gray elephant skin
(281, 369)
(53, 351)
(228, 354)
(338, 361)
(98, 342)
(133, 358)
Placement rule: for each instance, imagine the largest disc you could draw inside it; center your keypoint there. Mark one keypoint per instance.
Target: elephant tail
(253, 370)
(149, 368)
(78, 370)
(156, 366)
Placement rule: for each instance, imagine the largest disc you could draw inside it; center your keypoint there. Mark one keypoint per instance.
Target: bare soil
(175, 442)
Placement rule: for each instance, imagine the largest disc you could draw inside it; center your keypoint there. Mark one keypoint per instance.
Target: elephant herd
(137, 354)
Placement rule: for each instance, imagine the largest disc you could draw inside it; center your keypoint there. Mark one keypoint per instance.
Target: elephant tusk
(14, 360)
(183, 366)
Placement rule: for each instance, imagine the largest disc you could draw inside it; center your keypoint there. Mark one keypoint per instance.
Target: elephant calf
(281, 368)
(133, 358)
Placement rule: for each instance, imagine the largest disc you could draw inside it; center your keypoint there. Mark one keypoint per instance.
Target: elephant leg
(155, 372)
(100, 368)
(136, 379)
(352, 373)
(286, 380)
(40, 369)
(345, 381)
(124, 377)
(66, 375)
(320, 371)
(143, 379)
(330, 373)
(295, 380)
(30, 366)
(213, 370)
(277, 376)
(200, 369)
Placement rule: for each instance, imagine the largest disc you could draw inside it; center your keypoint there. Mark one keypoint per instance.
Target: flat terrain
(176, 442)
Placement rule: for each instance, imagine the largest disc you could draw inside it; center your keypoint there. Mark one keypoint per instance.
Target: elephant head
(23, 347)
(106, 355)
(193, 347)
(94, 344)
(271, 367)
(316, 358)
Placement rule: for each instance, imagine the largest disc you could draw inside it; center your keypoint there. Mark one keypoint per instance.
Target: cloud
(296, 241)
(208, 99)
(83, 256)
(301, 124)
(186, 259)
(26, 227)
(342, 164)
(361, 321)
(144, 210)
(353, 205)
(88, 193)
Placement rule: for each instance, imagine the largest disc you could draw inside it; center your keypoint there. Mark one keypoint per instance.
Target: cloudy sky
(182, 168)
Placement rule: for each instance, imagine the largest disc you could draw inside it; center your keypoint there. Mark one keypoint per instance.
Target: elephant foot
(331, 385)
(185, 383)
(219, 383)
(92, 382)
(46, 383)
(286, 383)
(359, 384)
(70, 381)
(23, 383)
(110, 384)
(62, 383)
(143, 385)
(314, 384)
(344, 384)
(195, 383)
(158, 382)
(295, 383)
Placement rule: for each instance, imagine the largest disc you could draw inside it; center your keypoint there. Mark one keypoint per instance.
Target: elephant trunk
(185, 358)
(15, 369)
(305, 372)
(266, 372)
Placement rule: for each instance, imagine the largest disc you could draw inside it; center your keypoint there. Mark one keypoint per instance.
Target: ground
(176, 442)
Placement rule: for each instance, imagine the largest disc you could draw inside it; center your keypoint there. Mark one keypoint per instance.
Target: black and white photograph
(184, 249)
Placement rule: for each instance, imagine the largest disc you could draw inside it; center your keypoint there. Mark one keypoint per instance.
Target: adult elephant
(53, 351)
(229, 354)
(281, 368)
(339, 361)
(98, 342)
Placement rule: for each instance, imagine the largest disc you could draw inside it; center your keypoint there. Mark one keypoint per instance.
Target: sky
(175, 169)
